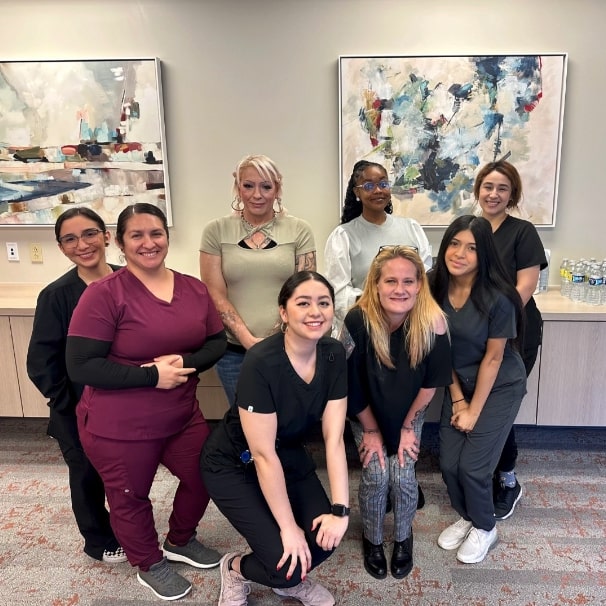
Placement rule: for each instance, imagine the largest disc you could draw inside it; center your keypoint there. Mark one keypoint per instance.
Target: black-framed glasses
(88, 236)
(369, 186)
(393, 247)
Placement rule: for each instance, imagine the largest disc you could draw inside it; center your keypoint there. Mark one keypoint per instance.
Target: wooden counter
(566, 386)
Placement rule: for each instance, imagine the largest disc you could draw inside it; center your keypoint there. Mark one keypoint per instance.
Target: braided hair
(352, 207)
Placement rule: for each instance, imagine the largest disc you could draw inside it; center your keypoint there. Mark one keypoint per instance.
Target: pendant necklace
(264, 229)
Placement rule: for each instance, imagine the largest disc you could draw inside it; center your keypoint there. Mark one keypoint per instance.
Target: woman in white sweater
(367, 224)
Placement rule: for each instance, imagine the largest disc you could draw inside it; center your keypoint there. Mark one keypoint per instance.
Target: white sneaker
(477, 544)
(454, 535)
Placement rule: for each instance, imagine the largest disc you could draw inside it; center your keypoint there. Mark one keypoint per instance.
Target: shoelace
(163, 573)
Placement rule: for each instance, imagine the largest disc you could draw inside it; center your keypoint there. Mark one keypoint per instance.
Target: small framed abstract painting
(80, 133)
(433, 121)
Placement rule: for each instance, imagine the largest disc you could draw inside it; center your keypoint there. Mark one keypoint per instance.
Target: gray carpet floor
(552, 551)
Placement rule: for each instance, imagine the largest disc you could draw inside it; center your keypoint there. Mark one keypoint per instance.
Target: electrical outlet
(35, 253)
(12, 251)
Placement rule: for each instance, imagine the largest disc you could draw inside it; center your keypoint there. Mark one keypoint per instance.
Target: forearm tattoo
(347, 341)
(229, 319)
(306, 262)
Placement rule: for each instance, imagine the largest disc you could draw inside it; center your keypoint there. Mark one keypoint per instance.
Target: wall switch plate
(35, 253)
(12, 251)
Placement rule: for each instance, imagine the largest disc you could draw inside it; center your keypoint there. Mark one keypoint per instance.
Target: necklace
(265, 229)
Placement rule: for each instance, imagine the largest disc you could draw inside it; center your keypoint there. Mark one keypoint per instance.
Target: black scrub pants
(237, 494)
(86, 487)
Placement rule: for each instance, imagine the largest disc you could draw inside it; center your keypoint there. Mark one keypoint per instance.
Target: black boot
(421, 500)
(374, 560)
(401, 559)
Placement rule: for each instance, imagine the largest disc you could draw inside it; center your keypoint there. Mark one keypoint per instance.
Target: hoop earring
(237, 204)
(278, 201)
(283, 327)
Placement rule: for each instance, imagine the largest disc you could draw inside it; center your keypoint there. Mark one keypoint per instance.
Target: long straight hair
(491, 276)
(418, 329)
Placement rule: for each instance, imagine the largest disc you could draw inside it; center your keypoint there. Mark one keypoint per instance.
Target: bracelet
(408, 428)
(455, 401)
(371, 431)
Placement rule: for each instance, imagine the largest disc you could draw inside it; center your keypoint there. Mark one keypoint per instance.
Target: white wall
(260, 76)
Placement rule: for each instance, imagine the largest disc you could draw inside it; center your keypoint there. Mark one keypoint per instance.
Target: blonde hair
(421, 323)
(264, 166)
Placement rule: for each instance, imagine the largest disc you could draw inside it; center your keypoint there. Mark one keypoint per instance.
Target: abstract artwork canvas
(433, 121)
(80, 133)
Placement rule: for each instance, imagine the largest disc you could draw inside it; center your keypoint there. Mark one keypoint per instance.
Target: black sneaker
(164, 582)
(505, 500)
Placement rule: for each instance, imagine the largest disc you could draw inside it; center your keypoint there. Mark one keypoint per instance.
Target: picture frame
(433, 120)
(80, 133)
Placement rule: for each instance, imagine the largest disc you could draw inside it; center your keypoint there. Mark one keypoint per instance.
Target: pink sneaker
(234, 587)
(308, 592)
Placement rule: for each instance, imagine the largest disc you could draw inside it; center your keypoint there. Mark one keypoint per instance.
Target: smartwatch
(339, 510)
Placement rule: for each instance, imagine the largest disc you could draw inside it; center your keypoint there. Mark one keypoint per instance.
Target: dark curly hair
(352, 207)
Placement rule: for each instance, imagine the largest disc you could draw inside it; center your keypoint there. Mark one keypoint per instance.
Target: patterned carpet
(551, 552)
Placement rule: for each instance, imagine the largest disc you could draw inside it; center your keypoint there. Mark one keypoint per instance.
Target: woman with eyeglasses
(138, 340)
(367, 223)
(245, 258)
(398, 352)
(82, 238)
(485, 318)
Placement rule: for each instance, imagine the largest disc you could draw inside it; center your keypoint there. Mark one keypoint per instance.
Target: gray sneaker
(192, 553)
(309, 592)
(164, 582)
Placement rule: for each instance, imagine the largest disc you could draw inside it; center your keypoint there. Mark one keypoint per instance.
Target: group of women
(118, 351)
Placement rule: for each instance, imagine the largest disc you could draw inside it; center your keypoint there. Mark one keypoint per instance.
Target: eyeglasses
(88, 236)
(393, 247)
(369, 186)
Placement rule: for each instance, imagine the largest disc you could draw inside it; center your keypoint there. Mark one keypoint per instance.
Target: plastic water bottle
(577, 290)
(565, 278)
(594, 285)
(603, 292)
(543, 282)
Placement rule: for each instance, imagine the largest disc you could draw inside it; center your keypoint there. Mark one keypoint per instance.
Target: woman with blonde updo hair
(396, 338)
(246, 256)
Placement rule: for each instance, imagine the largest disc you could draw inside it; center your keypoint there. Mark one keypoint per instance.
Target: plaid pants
(394, 482)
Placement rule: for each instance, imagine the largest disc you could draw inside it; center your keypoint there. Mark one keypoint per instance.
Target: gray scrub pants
(468, 460)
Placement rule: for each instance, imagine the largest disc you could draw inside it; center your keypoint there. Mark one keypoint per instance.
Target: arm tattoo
(228, 318)
(306, 262)
(347, 341)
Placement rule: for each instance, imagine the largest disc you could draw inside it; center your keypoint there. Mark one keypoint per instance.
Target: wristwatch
(339, 510)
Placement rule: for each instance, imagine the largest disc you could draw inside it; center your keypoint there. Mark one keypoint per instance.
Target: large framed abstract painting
(80, 133)
(433, 121)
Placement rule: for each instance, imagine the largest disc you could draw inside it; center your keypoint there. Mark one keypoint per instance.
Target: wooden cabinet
(211, 396)
(33, 403)
(20, 398)
(566, 387)
(573, 378)
(10, 396)
(528, 409)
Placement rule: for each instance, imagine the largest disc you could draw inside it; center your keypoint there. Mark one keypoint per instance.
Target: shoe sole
(477, 560)
(403, 574)
(163, 597)
(510, 512)
(114, 559)
(374, 574)
(453, 546)
(175, 557)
